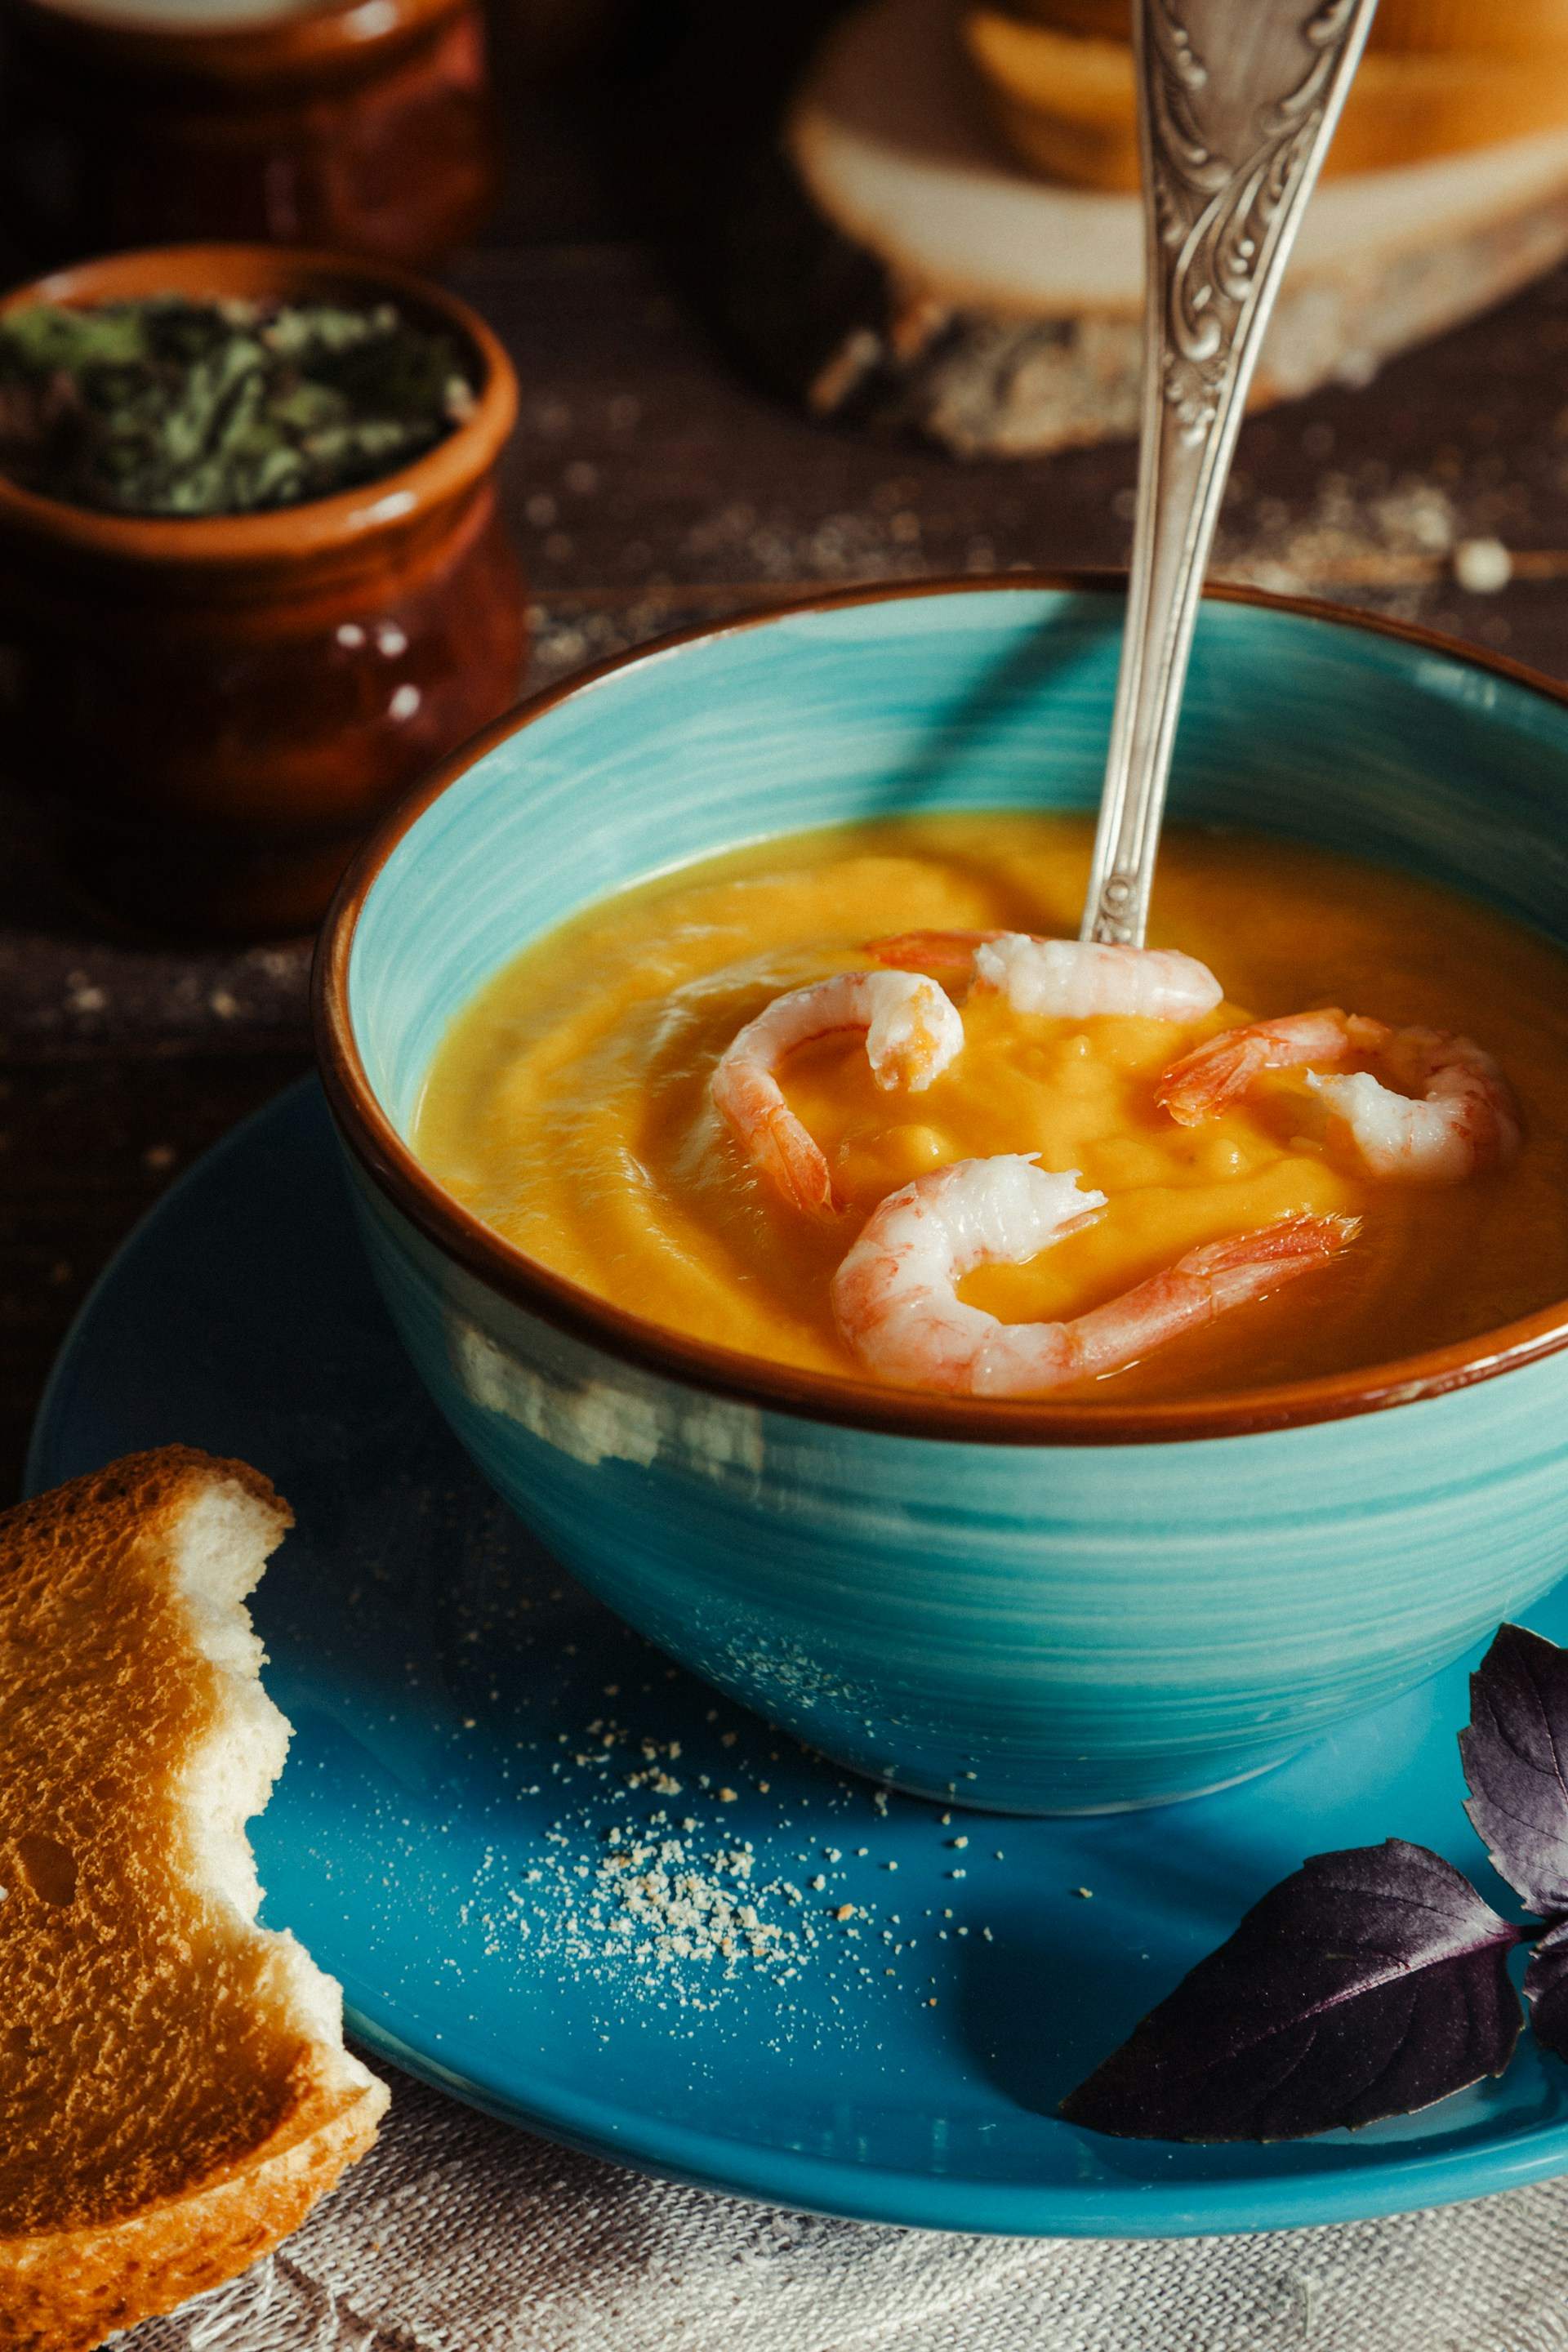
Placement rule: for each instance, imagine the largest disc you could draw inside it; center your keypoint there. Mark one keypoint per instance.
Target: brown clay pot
(366, 125)
(218, 707)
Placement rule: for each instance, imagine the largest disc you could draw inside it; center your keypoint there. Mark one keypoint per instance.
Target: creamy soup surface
(568, 1105)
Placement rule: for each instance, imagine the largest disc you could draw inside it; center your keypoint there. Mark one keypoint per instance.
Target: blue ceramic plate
(469, 1726)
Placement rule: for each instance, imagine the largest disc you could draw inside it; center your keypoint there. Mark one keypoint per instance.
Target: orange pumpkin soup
(570, 1107)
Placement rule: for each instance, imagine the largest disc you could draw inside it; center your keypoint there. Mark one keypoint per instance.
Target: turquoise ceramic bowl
(1032, 1607)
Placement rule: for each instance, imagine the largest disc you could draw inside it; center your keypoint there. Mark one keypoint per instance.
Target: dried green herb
(170, 407)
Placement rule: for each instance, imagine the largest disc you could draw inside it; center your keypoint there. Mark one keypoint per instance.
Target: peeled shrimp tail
(931, 950)
(1219, 1073)
(754, 1110)
(1205, 1284)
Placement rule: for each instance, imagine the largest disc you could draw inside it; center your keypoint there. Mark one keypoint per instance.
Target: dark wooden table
(653, 484)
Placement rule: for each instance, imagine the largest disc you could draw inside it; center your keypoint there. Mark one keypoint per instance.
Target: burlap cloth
(458, 2234)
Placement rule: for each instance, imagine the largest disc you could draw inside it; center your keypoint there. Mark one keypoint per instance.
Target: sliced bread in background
(1064, 101)
(1517, 29)
(902, 270)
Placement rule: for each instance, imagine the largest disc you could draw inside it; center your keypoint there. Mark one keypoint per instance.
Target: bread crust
(66, 2292)
(139, 1496)
(175, 2095)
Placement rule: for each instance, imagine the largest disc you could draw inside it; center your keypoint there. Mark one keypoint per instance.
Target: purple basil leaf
(1367, 1983)
(1546, 1989)
(1515, 1755)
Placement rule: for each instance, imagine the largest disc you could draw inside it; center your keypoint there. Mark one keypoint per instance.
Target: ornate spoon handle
(1236, 104)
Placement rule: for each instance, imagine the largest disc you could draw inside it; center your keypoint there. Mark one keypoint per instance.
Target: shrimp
(1451, 1112)
(1067, 979)
(912, 1032)
(1074, 979)
(1460, 1115)
(896, 1304)
(1220, 1072)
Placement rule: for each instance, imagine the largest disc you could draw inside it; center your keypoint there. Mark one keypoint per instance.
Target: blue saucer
(470, 1728)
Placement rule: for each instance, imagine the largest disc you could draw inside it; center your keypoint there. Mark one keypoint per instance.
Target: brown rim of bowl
(821, 1396)
(341, 37)
(315, 525)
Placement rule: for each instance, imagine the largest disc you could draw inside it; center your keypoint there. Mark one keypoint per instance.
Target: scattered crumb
(1360, 529)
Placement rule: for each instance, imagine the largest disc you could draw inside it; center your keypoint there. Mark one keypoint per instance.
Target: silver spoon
(1237, 103)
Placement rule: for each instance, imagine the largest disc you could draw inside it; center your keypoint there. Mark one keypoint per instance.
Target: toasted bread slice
(1065, 103)
(173, 2079)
